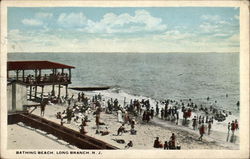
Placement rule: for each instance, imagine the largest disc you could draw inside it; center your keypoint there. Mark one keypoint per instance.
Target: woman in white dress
(119, 116)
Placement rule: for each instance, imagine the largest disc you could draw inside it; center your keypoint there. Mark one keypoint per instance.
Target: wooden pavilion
(60, 75)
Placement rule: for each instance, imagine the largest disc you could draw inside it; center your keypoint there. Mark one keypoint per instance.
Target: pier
(36, 74)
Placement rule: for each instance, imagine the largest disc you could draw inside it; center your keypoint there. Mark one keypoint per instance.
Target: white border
(244, 79)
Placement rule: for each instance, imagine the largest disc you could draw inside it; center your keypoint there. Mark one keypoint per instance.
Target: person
(97, 117)
(119, 116)
(212, 120)
(126, 117)
(236, 124)
(130, 144)
(194, 122)
(166, 146)
(199, 120)
(202, 131)
(144, 116)
(233, 127)
(157, 109)
(82, 96)
(147, 116)
(133, 131)
(172, 139)
(209, 127)
(132, 123)
(43, 105)
(104, 132)
(228, 127)
(162, 113)
(120, 130)
(99, 96)
(177, 116)
(82, 130)
(238, 104)
(152, 112)
(69, 115)
(79, 97)
(157, 143)
(97, 121)
(61, 122)
(206, 119)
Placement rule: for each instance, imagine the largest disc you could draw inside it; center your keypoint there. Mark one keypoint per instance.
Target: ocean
(157, 76)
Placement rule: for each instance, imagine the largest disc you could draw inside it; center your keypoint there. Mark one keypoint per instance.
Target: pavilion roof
(33, 65)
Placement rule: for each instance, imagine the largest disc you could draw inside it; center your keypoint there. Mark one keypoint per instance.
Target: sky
(123, 29)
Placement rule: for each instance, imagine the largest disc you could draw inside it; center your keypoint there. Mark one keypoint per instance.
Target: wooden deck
(61, 132)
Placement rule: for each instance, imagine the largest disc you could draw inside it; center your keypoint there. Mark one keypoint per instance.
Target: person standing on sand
(162, 113)
(212, 120)
(209, 127)
(202, 131)
(97, 117)
(79, 97)
(144, 116)
(228, 127)
(236, 124)
(152, 112)
(202, 121)
(233, 127)
(194, 122)
(69, 115)
(126, 117)
(147, 116)
(172, 139)
(119, 116)
(166, 112)
(199, 120)
(157, 109)
(177, 116)
(43, 105)
(206, 119)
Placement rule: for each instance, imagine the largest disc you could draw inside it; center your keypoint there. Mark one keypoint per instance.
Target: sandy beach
(144, 139)
(23, 137)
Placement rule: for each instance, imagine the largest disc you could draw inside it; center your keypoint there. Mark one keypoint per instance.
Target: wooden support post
(66, 89)
(53, 80)
(53, 90)
(23, 75)
(62, 70)
(8, 74)
(42, 92)
(35, 83)
(30, 92)
(59, 91)
(17, 71)
(69, 75)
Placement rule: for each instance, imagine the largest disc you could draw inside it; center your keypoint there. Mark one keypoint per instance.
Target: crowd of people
(143, 111)
(168, 145)
(59, 77)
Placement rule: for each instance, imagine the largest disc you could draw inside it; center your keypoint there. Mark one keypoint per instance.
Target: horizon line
(128, 52)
